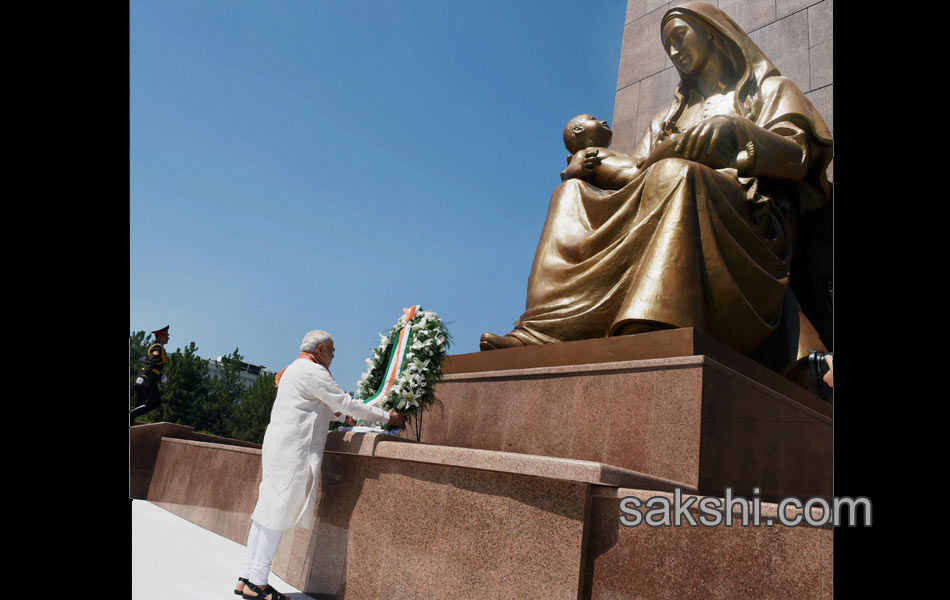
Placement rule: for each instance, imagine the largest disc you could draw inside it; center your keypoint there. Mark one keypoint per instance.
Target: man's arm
(329, 392)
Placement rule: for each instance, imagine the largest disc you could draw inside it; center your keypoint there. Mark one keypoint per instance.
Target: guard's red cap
(158, 332)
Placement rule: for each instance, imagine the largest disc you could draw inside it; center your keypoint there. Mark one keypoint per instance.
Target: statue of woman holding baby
(695, 228)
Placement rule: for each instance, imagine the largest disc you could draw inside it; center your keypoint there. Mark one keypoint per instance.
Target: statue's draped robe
(685, 245)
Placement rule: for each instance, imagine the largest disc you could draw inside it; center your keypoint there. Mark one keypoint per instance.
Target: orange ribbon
(306, 355)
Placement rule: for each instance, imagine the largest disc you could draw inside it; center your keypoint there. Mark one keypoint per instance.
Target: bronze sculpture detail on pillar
(694, 228)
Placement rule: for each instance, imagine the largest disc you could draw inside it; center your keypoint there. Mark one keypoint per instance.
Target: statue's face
(688, 45)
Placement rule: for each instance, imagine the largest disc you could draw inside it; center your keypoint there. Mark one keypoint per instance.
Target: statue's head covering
(755, 98)
(748, 62)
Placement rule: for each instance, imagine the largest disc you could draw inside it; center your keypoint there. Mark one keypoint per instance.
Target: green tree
(251, 415)
(186, 392)
(227, 389)
(221, 404)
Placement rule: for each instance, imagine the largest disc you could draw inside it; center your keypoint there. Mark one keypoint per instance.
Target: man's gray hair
(315, 338)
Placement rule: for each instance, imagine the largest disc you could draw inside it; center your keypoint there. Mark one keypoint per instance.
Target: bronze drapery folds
(699, 230)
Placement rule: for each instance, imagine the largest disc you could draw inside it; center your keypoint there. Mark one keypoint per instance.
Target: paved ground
(173, 558)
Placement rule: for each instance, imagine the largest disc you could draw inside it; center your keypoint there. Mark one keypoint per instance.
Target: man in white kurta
(307, 400)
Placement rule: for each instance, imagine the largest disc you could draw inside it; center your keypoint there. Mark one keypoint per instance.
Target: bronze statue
(695, 227)
(587, 138)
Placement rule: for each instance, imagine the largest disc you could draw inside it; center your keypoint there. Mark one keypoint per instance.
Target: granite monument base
(689, 562)
(408, 520)
(145, 440)
(647, 403)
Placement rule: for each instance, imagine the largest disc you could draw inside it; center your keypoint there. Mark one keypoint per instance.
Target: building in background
(246, 371)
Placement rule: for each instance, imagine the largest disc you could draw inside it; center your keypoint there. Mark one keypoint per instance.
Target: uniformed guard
(146, 384)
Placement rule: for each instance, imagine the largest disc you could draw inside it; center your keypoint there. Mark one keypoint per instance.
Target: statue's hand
(573, 171)
(592, 160)
(713, 142)
(582, 167)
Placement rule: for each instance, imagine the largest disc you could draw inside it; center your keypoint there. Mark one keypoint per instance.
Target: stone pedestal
(406, 520)
(698, 563)
(145, 441)
(211, 485)
(515, 491)
(397, 520)
(656, 403)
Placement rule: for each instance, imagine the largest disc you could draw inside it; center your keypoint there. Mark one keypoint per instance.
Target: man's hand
(396, 419)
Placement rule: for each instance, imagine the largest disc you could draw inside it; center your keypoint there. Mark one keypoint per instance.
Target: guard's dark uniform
(146, 393)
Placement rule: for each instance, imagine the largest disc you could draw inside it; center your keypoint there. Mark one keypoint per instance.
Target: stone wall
(145, 441)
(481, 524)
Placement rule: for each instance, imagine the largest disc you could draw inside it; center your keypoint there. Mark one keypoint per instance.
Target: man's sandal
(241, 592)
(264, 593)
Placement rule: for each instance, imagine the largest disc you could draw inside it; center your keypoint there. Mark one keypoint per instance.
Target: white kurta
(307, 399)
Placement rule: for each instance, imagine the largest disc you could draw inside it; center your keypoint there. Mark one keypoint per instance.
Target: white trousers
(261, 547)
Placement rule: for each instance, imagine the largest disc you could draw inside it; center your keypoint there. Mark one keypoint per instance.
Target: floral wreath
(406, 365)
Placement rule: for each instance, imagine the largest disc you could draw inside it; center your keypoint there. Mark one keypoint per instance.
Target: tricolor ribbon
(397, 359)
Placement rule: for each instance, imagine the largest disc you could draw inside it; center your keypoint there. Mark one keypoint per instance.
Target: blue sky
(297, 165)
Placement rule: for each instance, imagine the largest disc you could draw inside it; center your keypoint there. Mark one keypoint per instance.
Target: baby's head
(584, 131)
